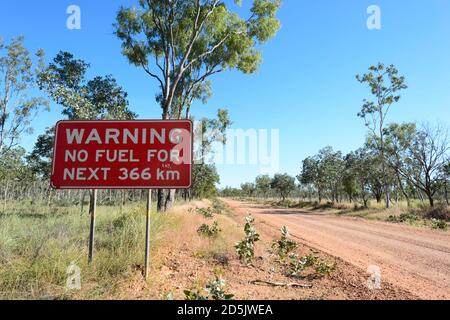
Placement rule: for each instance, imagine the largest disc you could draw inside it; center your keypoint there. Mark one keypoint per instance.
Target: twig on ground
(279, 284)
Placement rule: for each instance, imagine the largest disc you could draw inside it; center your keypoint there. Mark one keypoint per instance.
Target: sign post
(147, 233)
(92, 212)
(146, 154)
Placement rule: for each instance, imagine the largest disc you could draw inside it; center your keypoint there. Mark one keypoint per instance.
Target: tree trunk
(161, 204)
(431, 200)
(170, 199)
(408, 201)
(446, 193)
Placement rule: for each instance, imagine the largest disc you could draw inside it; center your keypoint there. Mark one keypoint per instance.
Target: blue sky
(306, 85)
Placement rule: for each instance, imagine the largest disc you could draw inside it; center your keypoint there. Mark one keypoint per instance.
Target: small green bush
(215, 289)
(205, 212)
(284, 246)
(246, 248)
(209, 231)
(439, 224)
(324, 269)
(298, 265)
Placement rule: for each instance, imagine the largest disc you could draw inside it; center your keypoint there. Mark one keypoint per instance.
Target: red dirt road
(414, 259)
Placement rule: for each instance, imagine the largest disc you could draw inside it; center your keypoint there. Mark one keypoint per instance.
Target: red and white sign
(143, 154)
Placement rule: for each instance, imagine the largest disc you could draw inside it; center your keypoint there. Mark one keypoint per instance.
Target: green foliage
(209, 231)
(190, 41)
(404, 217)
(263, 183)
(246, 248)
(217, 206)
(204, 180)
(13, 167)
(439, 224)
(284, 246)
(205, 212)
(324, 269)
(100, 98)
(194, 295)
(18, 74)
(248, 189)
(40, 158)
(283, 184)
(298, 266)
(215, 289)
(385, 83)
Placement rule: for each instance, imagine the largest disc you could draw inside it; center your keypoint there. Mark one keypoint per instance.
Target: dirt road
(417, 260)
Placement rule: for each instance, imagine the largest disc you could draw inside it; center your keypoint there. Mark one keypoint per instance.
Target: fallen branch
(279, 284)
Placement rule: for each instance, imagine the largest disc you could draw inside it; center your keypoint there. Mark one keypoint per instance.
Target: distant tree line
(397, 162)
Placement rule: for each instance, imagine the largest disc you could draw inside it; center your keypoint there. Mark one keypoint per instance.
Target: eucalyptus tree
(18, 106)
(362, 166)
(311, 174)
(100, 98)
(283, 184)
(385, 84)
(182, 44)
(446, 172)
(40, 158)
(332, 168)
(262, 183)
(248, 189)
(398, 141)
(425, 160)
(205, 175)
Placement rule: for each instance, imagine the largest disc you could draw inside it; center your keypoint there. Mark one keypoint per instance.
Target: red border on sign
(116, 187)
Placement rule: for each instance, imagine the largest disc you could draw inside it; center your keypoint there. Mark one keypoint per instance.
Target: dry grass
(375, 210)
(38, 244)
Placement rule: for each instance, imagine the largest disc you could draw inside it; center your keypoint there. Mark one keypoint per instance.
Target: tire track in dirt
(417, 260)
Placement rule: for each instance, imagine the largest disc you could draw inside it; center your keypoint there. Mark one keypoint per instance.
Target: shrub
(439, 224)
(324, 269)
(439, 213)
(209, 231)
(205, 212)
(194, 295)
(215, 289)
(246, 248)
(217, 206)
(298, 265)
(284, 246)
(404, 217)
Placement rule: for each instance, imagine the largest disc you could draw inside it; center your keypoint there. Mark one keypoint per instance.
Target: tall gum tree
(182, 43)
(18, 107)
(385, 84)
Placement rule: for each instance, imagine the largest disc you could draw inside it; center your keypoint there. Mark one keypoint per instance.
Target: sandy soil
(186, 261)
(416, 260)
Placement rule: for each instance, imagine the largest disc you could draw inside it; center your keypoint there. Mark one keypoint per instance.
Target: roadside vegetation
(402, 168)
(38, 244)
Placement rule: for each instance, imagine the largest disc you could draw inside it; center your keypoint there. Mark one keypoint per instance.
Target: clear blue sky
(306, 85)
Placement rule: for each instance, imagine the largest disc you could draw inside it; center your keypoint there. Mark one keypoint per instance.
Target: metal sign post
(92, 212)
(147, 233)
